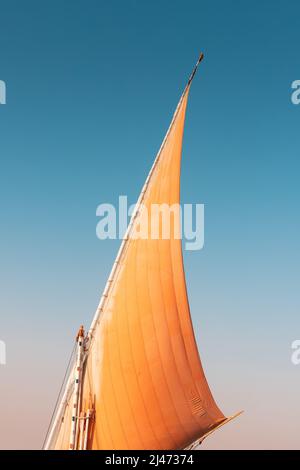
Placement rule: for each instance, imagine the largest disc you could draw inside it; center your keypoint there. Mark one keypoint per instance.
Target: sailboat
(135, 379)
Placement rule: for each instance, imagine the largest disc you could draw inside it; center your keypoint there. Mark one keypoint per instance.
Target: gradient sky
(91, 88)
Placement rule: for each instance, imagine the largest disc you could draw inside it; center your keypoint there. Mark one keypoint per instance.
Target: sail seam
(160, 358)
(170, 342)
(149, 371)
(114, 394)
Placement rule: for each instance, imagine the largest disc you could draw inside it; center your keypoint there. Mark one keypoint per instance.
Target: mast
(77, 388)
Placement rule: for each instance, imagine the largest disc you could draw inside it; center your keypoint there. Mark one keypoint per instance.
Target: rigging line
(59, 395)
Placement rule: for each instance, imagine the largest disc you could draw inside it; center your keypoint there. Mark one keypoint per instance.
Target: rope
(59, 395)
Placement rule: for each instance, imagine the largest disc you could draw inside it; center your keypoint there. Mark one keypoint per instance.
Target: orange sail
(142, 379)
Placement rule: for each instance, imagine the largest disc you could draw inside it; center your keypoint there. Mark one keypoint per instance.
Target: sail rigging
(142, 382)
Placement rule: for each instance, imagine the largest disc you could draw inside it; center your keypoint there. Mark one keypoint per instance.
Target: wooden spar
(81, 428)
(77, 388)
(89, 416)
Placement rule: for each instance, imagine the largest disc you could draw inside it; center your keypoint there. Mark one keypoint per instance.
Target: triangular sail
(142, 373)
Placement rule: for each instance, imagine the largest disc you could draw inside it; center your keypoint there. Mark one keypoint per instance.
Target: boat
(135, 379)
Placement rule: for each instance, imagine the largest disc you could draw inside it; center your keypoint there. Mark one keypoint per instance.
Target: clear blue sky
(91, 88)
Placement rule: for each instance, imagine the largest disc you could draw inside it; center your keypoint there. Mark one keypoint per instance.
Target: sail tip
(201, 57)
(221, 424)
(230, 418)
